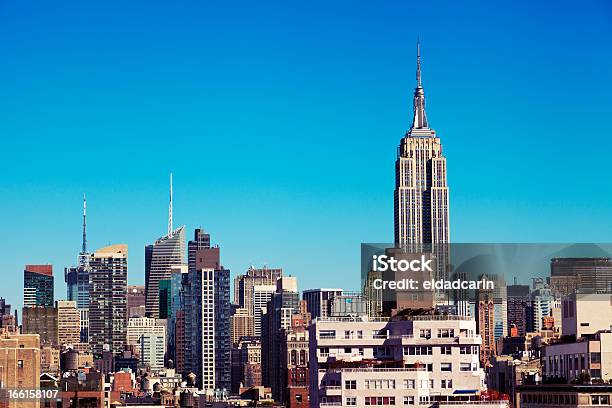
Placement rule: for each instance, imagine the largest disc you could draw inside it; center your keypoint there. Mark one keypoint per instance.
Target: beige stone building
(19, 366)
(242, 323)
(68, 323)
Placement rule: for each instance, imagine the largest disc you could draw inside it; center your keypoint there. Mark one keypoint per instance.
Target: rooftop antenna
(418, 73)
(170, 209)
(84, 247)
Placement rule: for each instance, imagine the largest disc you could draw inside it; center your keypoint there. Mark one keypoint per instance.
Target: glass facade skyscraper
(38, 285)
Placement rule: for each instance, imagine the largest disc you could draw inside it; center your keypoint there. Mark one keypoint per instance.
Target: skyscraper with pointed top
(77, 280)
(160, 257)
(421, 192)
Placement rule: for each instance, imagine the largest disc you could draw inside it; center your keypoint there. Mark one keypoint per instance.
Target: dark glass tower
(38, 285)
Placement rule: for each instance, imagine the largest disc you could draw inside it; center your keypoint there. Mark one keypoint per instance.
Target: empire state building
(421, 192)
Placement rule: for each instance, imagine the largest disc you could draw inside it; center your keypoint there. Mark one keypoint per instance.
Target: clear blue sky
(281, 121)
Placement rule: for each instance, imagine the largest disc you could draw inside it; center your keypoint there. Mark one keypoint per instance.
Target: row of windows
(448, 350)
(373, 401)
(409, 384)
(359, 334)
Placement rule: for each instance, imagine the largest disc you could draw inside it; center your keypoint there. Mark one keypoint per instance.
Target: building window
(327, 334)
(600, 400)
(465, 367)
(379, 384)
(445, 350)
(425, 333)
(446, 367)
(352, 401)
(350, 384)
(446, 384)
(379, 400)
(408, 384)
(417, 350)
(409, 400)
(19, 363)
(446, 333)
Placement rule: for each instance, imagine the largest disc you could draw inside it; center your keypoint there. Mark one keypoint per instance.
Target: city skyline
(237, 205)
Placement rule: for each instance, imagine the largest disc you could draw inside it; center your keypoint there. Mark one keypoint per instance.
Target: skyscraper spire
(84, 255)
(170, 209)
(418, 73)
(84, 246)
(420, 118)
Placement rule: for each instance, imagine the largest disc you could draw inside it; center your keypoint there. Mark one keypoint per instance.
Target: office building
(564, 395)
(138, 326)
(421, 209)
(541, 304)
(199, 327)
(246, 364)
(136, 301)
(319, 301)
(243, 284)
(152, 350)
(241, 325)
(282, 306)
(585, 314)
(68, 323)
(294, 359)
(585, 275)
(364, 361)
(41, 320)
(518, 302)
(506, 373)
(77, 282)
(108, 299)
(160, 257)
(38, 285)
(201, 240)
(569, 362)
(165, 297)
(50, 360)
(485, 312)
(261, 296)
(175, 325)
(8, 321)
(206, 294)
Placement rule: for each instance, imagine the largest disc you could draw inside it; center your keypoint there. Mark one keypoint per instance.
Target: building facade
(367, 361)
(38, 285)
(41, 320)
(108, 299)
(68, 323)
(243, 284)
(319, 301)
(421, 192)
(19, 366)
(160, 257)
(152, 350)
